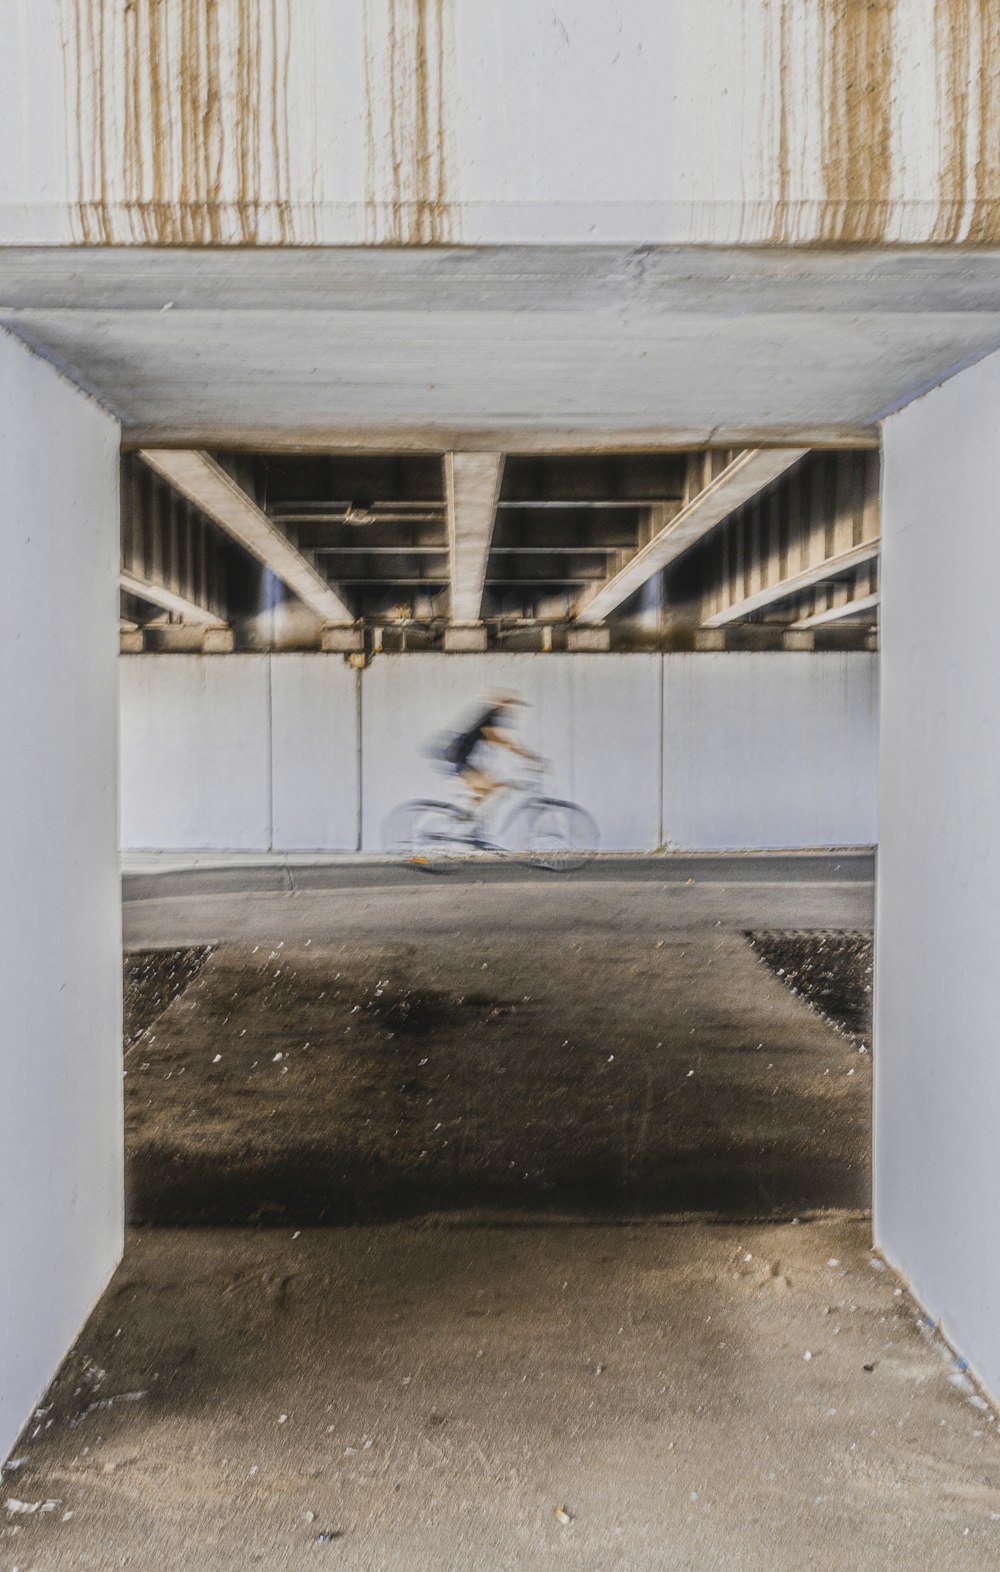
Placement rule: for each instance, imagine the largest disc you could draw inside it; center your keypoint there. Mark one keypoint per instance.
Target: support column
(937, 1061)
(60, 903)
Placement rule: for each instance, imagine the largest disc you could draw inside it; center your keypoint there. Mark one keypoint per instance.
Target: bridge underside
(469, 448)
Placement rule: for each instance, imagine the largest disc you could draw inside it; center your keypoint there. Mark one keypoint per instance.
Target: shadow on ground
(597, 1075)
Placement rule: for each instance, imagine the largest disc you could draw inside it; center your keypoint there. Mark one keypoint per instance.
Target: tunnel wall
(937, 1067)
(60, 909)
(298, 752)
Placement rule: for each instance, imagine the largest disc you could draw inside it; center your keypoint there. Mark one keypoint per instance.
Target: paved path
(595, 1047)
(428, 1397)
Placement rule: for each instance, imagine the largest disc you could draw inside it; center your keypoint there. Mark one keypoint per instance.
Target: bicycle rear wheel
(554, 835)
(434, 836)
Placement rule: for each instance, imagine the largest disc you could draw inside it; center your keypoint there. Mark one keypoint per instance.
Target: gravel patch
(833, 972)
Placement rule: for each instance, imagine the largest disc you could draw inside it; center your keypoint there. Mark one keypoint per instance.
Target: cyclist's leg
(479, 783)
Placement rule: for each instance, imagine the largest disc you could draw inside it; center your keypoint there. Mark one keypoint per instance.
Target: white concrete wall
(315, 756)
(770, 750)
(239, 753)
(937, 1054)
(671, 121)
(195, 752)
(60, 912)
(594, 717)
(720, 751)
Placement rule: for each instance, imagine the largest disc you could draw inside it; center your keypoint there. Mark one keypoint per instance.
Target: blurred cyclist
(492, 727)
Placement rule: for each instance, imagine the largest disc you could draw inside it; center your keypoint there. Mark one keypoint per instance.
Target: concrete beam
(472, 487)
(797, 639)
(344, 640)
(708, 639)
(465, 639)
(847, 608)
(198, 477)
(218, 640)
(782, 589)
(588, 639)
(166, 599)
(749, 473)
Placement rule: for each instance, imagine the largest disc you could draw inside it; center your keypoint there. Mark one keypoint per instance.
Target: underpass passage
(596, 1064)
(520, 1351)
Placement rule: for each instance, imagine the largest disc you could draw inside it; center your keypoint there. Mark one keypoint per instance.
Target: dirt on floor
(604, 1075)
(514, 1358)
(744, 1397)
(832, 971)
(151, 979)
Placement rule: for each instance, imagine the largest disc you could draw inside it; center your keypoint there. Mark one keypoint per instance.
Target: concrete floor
(432, 1395)
(428, 1392)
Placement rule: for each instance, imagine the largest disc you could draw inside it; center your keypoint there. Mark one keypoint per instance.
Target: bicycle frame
(484, 825)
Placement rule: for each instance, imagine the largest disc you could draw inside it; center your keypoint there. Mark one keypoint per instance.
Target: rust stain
(780, 76)
(967, 52)
(203, 87)
(952, 54)
(856, 109)
(406, 54)
(984, 225)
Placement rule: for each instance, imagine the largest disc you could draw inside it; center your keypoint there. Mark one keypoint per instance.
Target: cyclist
(492, 727)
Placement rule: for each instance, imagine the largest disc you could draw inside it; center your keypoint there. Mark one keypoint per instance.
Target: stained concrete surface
(682, 365)
(427, 1392)
(599, 1070)
(432, 1395)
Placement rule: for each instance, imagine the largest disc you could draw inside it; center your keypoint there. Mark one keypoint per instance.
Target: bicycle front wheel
(555, 835)
(433, 836)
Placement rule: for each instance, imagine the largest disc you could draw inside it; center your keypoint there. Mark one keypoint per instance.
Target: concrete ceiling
(509, 348)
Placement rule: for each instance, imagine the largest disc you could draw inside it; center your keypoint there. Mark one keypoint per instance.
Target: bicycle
(549, 833)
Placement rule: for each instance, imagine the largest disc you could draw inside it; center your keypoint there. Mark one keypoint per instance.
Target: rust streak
(857, 62)
(953, 45)
(189, 118)
(371, 159)
(103, 216)
(247, 105)
(780, 76)
(72, 54)
(395, 151)
(984, 227)
(405, 65)
(212, 142)
(280, 128)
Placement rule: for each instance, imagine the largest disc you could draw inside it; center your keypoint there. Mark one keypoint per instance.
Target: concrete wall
(595, 717)
(937, 1061)
(297, 752)
(60, 913)
(196, 752)
(367, 122)
(315, 757)
(770, 750)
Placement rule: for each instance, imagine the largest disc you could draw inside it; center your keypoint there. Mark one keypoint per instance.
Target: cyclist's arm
(502, 739)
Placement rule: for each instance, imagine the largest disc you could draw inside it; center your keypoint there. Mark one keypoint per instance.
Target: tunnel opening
(668, 626)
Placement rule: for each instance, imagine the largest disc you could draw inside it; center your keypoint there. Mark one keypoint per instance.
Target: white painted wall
(937, 1057)
(594, 717)
(195, 751)
(754, 750)
(315, 758)
(670, 121)
(60, 911)
(770, 750)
